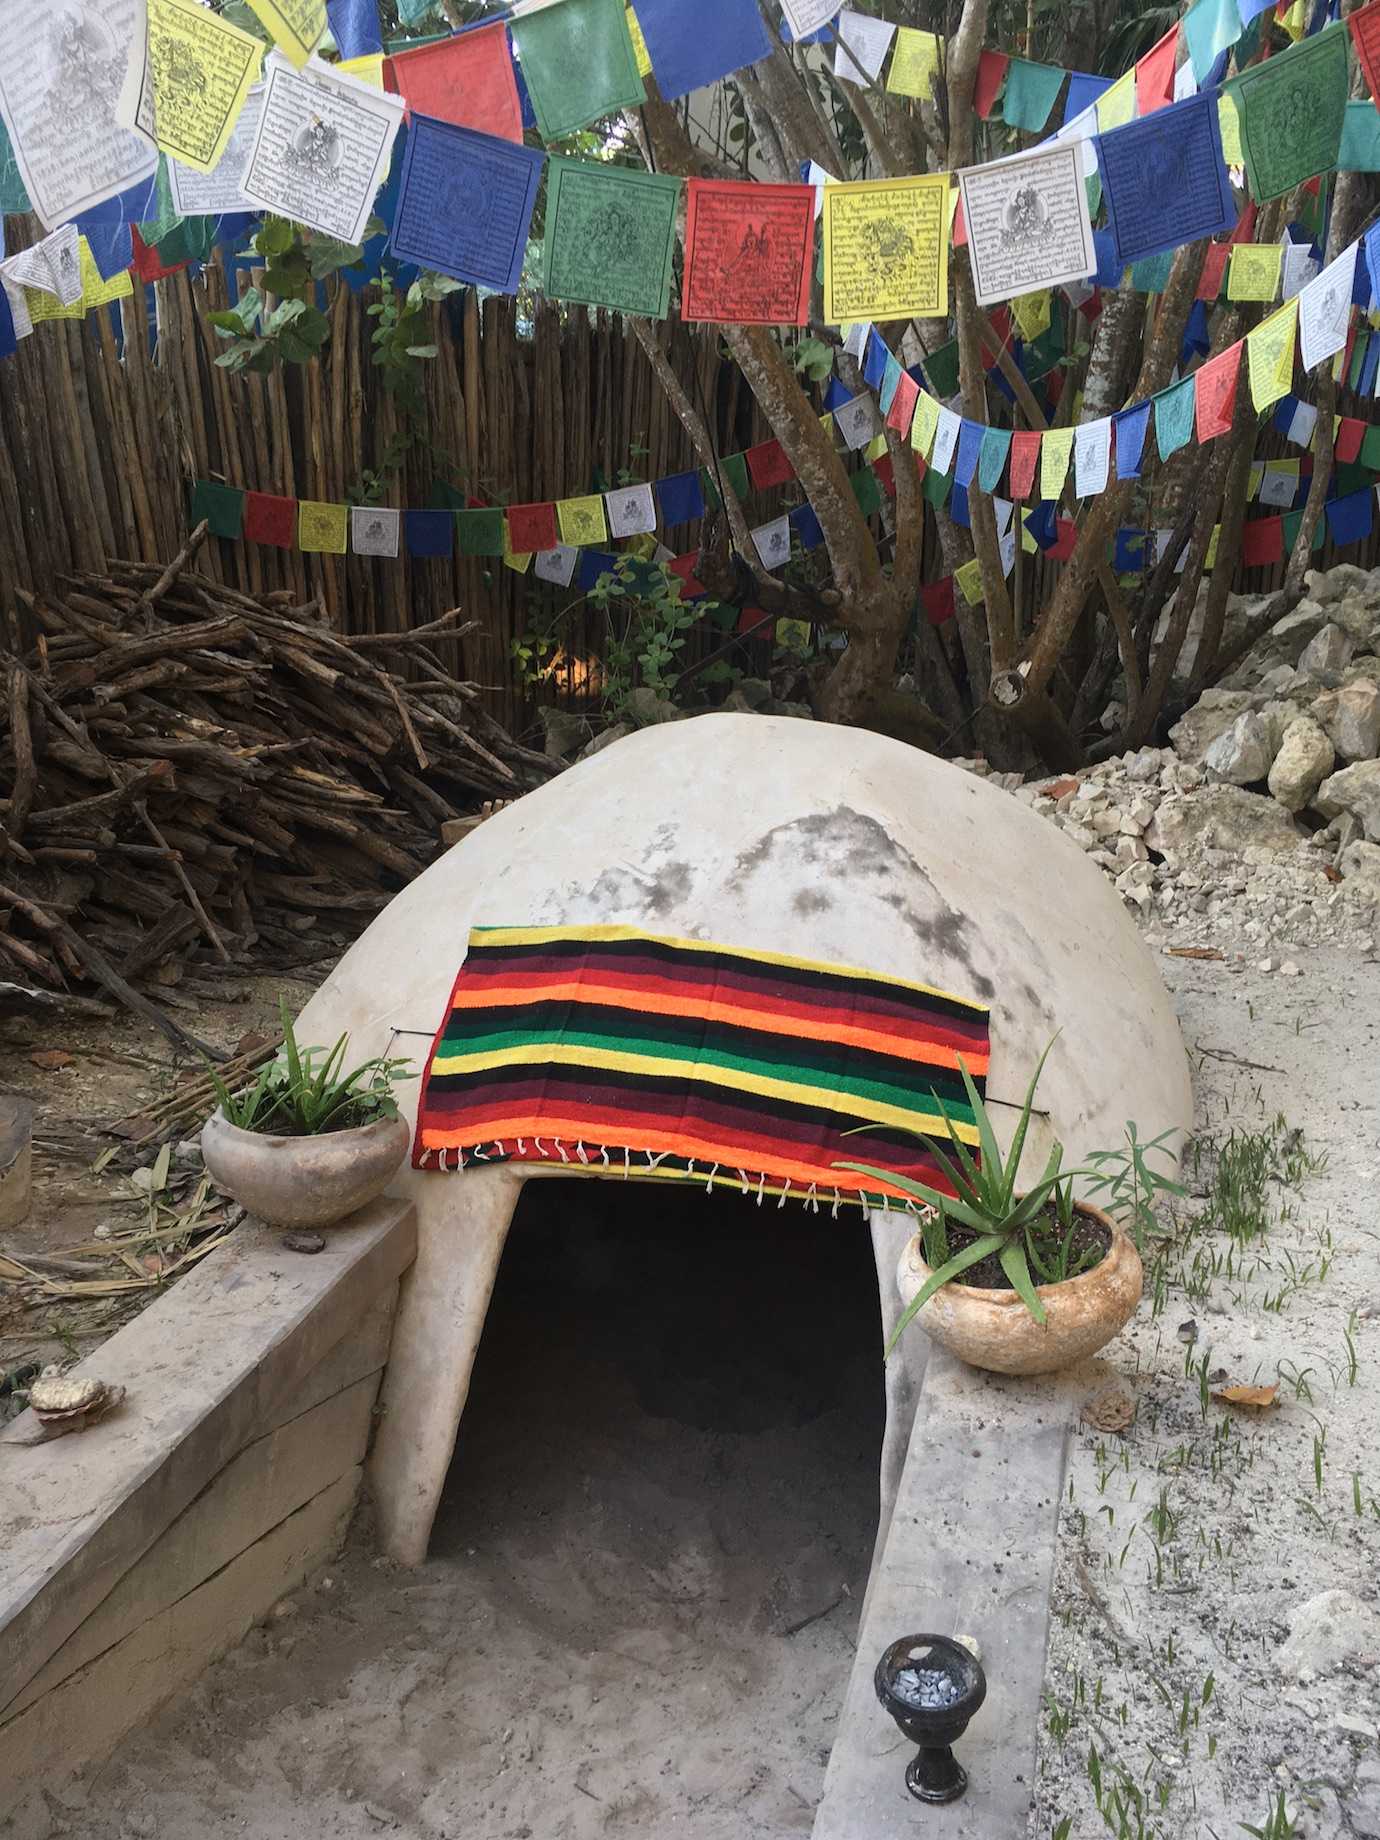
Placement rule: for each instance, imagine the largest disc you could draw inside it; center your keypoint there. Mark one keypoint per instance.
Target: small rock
(1356, 789)
(1289, 969)
(1211, 715)
(1328, 650)
(1327, 1631)
(51, 1059)
(1351, 717)
(283, 1610)
(1241, 755)
(1304, 760)
(304, 1242)
(1265, 964)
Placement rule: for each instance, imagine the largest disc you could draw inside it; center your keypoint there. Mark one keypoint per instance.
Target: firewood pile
(190, 776)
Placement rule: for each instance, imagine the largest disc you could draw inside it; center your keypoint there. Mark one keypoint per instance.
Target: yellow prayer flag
(1294, 20)
(1056, 449)
(582, 520)
(1210, 559)
(886, 249)
(322, 528)
(519, 562)
(1254, 270)
(1028, 543)
(639, 44)
(1254, 477)
(876, 447)
(969, 580)
(924, 424)
(914, 63)
(202, 68)
(368, 69)
(1270, 355)
(94, 291)
(1230, 124)
(1117, 105)
(1031, 313)
(294, 25)
(793, 635)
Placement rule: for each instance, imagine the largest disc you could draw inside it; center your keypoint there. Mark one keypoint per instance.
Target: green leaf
(957, 1265)
(957, 1210)
(987, 1137)
(1023, 1125)
(1012, 1258)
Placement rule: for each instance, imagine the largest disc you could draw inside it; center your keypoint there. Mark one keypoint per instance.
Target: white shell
(65, 1393)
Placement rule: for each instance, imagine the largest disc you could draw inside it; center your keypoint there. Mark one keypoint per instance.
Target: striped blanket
(604, 1049)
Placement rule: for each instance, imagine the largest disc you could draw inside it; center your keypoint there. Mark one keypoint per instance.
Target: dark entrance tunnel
(664, 1500)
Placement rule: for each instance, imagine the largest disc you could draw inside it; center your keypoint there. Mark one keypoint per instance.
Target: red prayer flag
(752, 617)
(1155, 74)
(1054, 386)
(467, 79)
(1215, 397)
(999, 318)
(1365, 35)
(147, 263)
(684, 566)
(885, 470)
(1245, 224)
(902, 411)
(991, 74)
(749, 253)
(1347, 445)
(1065, 538)
(270, 520)
(1215, 259)
(1025, 457)
(1262, 542)
(768, 465)
(959, 235)
(531, 528)
(937, 598)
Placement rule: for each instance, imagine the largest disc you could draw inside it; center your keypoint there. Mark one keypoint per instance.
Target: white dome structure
(832, 844)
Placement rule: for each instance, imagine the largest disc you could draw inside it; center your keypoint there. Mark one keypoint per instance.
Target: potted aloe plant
(1019, 1281)
(308, 1142)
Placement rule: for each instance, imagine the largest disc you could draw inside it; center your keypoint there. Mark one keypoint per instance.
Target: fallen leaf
(1256, 1396)
(1194, 952)
(50, 1059)
(1111, 1409)
(1332, 874)
(253, 1042)
(1059, 788)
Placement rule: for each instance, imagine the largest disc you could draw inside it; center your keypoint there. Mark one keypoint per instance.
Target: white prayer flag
(1302, 423)
(858, 421)
(819, 178)
(945, 439)
(52, 266)
(374, 530)
(855, 338)
(862, 48)
(808, 16)
(1325, 309)
(1279, 485)
(631, 511)
(557, 564)
(1092, 446)
(1028, 224)
(773, 542)
(216, 193)
(1297, 269)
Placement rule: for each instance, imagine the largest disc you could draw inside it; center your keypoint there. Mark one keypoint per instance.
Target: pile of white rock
(1259, 829)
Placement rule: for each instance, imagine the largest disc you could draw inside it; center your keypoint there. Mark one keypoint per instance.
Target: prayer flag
(924, 424)
(772, 541)
(1365, 34)
(1164, 179)
(862, 47)
(374, 531)
(533, 527)
(610, 236)
(1056, 450)
(558, 565)
(1279, 483)
(749, 252)
(1254, 271)
(1129, 426)
(481, 531)
(1117, 105)
(466, 79)
(578, 62)
(902, 410)
(1350, 518)
(1215, 402)
(1155, 73)
(996, 445)
(858, 421)
(1325, 309)
(322, 528)
(805, 522)
(1028, 231)
(914, 63)
(937, 598)
(582, 521)
(1025, 455)
(198, 70)
(1360, 149)
(1346, 442)
(430, 533)
(1174, 416)
(631, 511)
(680, 496)
(1030, 93)
(639, 44)
(1270, 356)
(1083, 92)
(270, 519)
(1211, 26)
(946, 440)
(968, 580)
(295, 26)
(768, 465)
(436, 224)
(886, 249)
(221, 506)
(355, 27)
(991, 74)
(1292, 108)
(1092, 452)
(1215, 259)
(694, 45)
(1262, 543)
(970, 437)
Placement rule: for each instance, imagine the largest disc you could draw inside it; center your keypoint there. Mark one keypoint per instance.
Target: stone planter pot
(993, 1328)
(303, 1181)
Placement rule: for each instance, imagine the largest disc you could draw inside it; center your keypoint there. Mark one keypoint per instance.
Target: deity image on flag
(314, 153)
(1028, 224)
(749, 253)
(885, 248)
(88, 64)
(610, 236)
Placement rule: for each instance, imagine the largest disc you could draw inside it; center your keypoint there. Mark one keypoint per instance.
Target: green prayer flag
(1174, 416)
(221, 506)
(480, 532)
(443, 497)
(1370, 448)
(1209, 27)
(867, 490)
(1352, 476)
(1291, 521)
(1151, 274)
(996, 444)
(1042, 354)
(1358, 360)
(1291, 110)
(190, 239)
(14, 199)
(1030, 92)
(1360, 150)
(941, 367)
(610, 236)
(394, 45)
(578, 63)
(1092, 185)
(935, 487)
(410, 11)
(734, 469)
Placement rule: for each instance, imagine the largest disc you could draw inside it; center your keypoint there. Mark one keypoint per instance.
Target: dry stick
(149, 601)
(193, 898)
(22, 747)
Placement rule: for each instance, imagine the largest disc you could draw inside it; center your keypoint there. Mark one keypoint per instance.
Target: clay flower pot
(993, 1328)
(303, 1181)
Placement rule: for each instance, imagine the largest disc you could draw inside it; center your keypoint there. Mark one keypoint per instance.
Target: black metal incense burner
(931, 1686)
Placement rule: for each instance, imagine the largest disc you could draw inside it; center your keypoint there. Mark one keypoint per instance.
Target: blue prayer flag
(1129, 427)
(9, 344)
(1370, 365)
(996, 444)
(111, 245)
(1283, 417)
(1084, 91)
(1350, 519)
(681, 497)
(1250, 9)
(835, 396)
(970, 436)
(1210, 27)
(436, 224)
(355, 27)
(958, 506)
(1042, 522)
(1174, 415)
(1109, 264)
(430, 533)
(1196, 335)
(1371, 246)
(694, 45)
(891, 376)
(1165, 180)
(594, 563)
(1130, 552)
(875, 362)
(807, 527)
